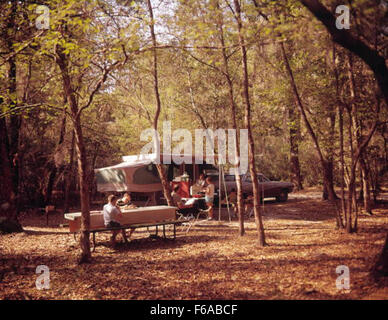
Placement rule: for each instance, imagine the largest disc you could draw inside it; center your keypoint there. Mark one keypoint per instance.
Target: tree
(74, 57)
(344, 38)
(247, 121)
(161, 171)
(325, 163)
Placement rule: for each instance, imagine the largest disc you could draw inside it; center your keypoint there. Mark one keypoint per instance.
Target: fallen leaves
(209, 262)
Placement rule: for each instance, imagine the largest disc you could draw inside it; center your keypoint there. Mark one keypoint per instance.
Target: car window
(263, 178)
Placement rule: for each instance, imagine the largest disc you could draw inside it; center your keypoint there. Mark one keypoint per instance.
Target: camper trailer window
(145, 176)
(110, 176)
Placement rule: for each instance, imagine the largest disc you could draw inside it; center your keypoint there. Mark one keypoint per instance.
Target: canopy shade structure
(139, 174)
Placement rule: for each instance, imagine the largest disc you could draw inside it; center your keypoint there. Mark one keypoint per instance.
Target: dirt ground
(208, 262)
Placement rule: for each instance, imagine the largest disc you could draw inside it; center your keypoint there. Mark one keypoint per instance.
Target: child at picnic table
(126, 202)
(111, 214)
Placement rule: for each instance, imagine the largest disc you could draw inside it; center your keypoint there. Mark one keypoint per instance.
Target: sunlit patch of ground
(209, 262)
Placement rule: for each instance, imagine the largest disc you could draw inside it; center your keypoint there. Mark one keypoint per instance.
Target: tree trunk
(247, 120)
(53, 172)
(14, 119)
(366, 185)
(328, 181)
(69, 176)
(326, 166)
(341, 212)
(8, 214)
(9, 159)
(160, 168)
(85, 256)
(342, 166)
(381, 267)
(84, 192)
(240, 210)
(294, 131)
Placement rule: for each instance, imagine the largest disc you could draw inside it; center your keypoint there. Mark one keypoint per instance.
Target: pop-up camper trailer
(139, 174)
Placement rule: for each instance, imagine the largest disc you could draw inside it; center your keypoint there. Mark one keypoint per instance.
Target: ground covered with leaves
(208, 262)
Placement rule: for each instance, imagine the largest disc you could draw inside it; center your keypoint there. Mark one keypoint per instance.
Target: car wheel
(283, 196)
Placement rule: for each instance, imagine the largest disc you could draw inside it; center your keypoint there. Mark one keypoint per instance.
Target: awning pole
(226, 195)
(219, 191)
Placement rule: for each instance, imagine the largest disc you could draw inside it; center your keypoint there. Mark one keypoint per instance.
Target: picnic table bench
(163, 224)
(132, 218)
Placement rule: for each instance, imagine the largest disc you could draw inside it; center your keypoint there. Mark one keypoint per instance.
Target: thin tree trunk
(69, 175)
(160, 168)
(340, 217)
(366, 186)
(247, 120)
(15, 120)
(53, 172)
(233, 106)
(356, 125)
(326, 166)
(294, 132)
(342, 164)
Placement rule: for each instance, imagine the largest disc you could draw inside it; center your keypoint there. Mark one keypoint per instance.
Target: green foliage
(93, 35)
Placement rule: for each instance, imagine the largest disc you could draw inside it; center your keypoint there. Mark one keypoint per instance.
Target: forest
(80, 81)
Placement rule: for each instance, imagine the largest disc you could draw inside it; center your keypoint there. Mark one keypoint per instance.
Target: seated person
(111, 213)
(233, 198)
(248, 206)
(209, 196)
(195, 189)
(126, 202)
(201, 180)
(178, 202)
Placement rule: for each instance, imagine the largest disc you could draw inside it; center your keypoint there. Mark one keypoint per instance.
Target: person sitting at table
(248, 206)
(126, 202)
(182, 207)
(201, 180)
(111, 214)
(196, 188)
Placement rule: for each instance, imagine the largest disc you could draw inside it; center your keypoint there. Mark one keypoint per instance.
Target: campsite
(299, 263)
(193, 150)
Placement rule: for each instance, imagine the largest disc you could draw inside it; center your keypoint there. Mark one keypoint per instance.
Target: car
(268, 188)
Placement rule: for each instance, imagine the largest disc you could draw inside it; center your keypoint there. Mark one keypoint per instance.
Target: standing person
(209, 196)
(111, 213)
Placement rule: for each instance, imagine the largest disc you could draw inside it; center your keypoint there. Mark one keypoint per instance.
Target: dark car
(268, 188)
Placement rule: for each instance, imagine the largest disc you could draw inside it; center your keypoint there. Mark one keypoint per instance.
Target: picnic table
(142, 217)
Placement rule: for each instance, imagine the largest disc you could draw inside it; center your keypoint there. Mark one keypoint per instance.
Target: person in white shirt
(111, 214)
(209, 196)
